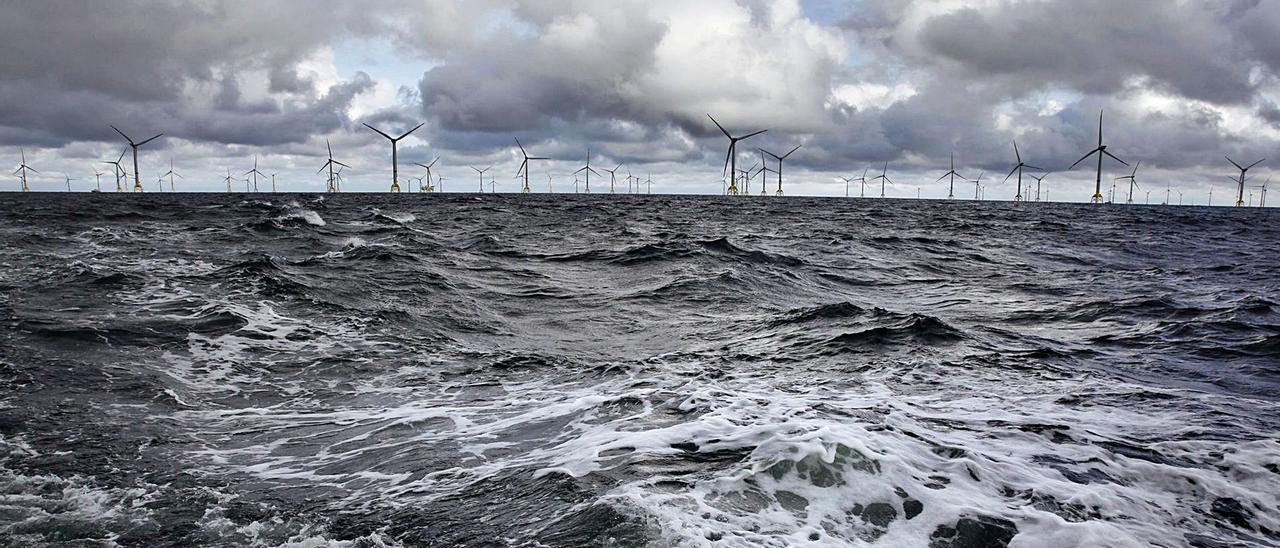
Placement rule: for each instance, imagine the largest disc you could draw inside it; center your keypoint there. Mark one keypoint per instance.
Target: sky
(857, 84)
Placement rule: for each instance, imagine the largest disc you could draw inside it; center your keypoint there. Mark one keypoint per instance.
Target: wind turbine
(730, 159)
(1262, 199)
(863, 180)
(951, 194)
(440, 179)
(649, 183)
(1243, 171)
(333, 186)
(120, 172)
(1133, 181)
(171, 174)
(780, 159)
(1018, 169)
(613, 176)
(97, 180)
(22, 170)
(587, 171)
(395, 168)
(273, 182)
(1100, 151)
(883, 178)
(977, 186)
(137, 180)
(228, 180)
(255, 174)
(1039, 180)
(524, 166)
(847, 182)
(428, 168)
(69, 179)
(481, 172)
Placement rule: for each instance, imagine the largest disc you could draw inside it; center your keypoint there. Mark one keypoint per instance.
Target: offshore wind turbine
(332, 185)
(97, 180)
(847, 182)
(1100, 151)
(1018, 169)
(22, 170)
(228, 180)
(883, 178)
(977, 186)
(273, 182)
(780, 160)
(1262, 199)
(730, 159)
(524, 167)
(1133, 181)
(863, 180)
(395, 168)
(171, 174)
(69, 179)
(481, 173)
(1039, 180)
(587, 171)
(428, 168)
(120, 172)
(613, 173)
(1243, 171)
(951, 194)
(255, 174)
(137, 179)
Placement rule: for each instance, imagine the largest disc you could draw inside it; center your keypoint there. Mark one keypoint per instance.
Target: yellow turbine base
(137, 187)
(779, 193)
(1097, 198)
(395, 187)
(733, 189)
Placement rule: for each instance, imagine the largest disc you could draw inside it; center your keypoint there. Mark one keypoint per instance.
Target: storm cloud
(867, 82)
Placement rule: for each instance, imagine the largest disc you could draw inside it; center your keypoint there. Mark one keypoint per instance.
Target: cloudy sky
(857, 82)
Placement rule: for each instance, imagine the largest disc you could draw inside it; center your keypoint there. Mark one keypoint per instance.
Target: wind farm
(266, 336)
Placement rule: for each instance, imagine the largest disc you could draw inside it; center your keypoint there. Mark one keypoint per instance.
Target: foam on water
(574, 372)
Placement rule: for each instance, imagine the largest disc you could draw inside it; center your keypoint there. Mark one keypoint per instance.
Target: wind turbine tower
(395, 167)
(1100, 151)
(951, 194)
(137, 180)
(1243, 171)
(730, 159)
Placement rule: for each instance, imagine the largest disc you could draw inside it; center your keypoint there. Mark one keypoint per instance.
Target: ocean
(369, 370)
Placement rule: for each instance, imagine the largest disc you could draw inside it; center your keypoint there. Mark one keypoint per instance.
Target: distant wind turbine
(333, 184)
(1100, 151)
(255, 173)
(1040, 180)
(1018, 169)
(1243, 171)
(613, 174)
(481, 173)
(587, 171)
(171, 174)
(977, 186)
(863, 180)
(137, 179)
(730, 159)
(427, 167)
(780, 159)
(228, 180)
(1262, 198)
(120, 172)
(69, 179)
(883, 178)
(1133, 181)
(951, 194)
(395, 167)
(97, 180)
(524, 167)
(22, 170)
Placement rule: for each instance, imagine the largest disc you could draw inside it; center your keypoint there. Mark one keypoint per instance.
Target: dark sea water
(548, 371)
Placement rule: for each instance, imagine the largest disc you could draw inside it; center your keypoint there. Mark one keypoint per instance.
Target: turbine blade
(328, 146)
(151, 139)
(784, 156)
(1011, 172)
(1032, 167)
(1233, 162)
(750, 135)
(433, 162)
(379, 132)
(415, 128)
(1016, 153)
(1100, 128)
(1256, 163)
(1113, 157)
(722, 129)
(1085, 157)
(126, 137)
